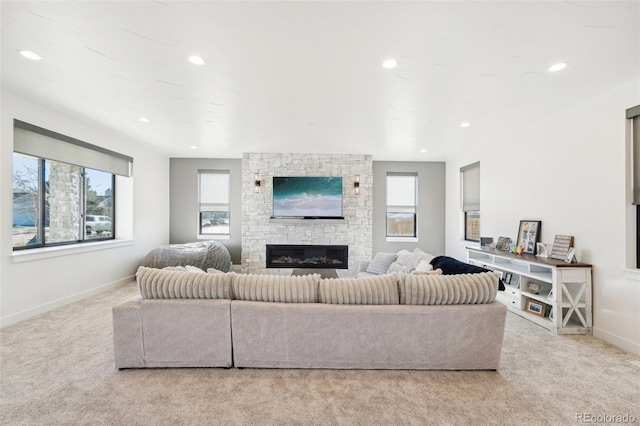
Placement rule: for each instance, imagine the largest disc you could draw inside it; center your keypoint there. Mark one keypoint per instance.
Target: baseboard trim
(33, 312)
(616, 340)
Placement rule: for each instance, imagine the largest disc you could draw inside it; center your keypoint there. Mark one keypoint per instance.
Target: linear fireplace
(307, 256)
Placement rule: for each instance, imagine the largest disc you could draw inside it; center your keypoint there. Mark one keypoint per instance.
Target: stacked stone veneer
(258, 229)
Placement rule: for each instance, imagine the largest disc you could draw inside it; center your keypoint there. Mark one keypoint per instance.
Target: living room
(555, 149)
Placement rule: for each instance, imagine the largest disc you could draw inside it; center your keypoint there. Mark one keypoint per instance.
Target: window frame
(389, 209)
(42, 210)
(633, 116)
(200, 234)
(470, 208)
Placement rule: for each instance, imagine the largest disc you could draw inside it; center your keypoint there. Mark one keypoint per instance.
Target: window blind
(471, 187)
(38, 142)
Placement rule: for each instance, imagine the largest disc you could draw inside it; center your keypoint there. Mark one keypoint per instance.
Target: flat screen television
(307, 197)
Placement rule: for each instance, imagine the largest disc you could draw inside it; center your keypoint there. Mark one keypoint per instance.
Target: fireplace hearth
(307, 256)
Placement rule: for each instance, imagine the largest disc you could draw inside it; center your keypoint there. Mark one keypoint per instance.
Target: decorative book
(561, 246)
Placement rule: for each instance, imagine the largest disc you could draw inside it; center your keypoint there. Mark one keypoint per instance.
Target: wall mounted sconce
(256, 181)
(356, 184)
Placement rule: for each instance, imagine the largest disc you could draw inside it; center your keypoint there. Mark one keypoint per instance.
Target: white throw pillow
(190, 268)
(424, 266)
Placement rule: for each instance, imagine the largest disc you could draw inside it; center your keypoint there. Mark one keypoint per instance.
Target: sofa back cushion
(167, 284)
(447, 289)
(376, 290)
(275, 288)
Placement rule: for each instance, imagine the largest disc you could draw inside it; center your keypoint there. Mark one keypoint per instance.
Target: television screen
(309, 197)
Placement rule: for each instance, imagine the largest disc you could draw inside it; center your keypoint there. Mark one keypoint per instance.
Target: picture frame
(515, 281)
(507, 278)
(571, 254)
(536, 308)
(485, 242)
(528, 235)
(503, 243)
(541, 250)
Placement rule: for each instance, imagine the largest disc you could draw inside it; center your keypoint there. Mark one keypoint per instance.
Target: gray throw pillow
(381, 262)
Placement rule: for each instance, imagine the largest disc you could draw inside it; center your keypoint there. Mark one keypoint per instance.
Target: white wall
(568, 172)
(31, 287)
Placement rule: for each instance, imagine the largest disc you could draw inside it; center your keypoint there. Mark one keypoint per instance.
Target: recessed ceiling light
(390, 63)
(194, 59)
(193, 147)
(143, 119)
(423, 151)
(30, 55)
(465, 124)
(557, 67)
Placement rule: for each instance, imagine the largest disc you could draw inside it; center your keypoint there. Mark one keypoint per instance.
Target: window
(401, 204)
(63, 189)
(213, 190)
(470, 178)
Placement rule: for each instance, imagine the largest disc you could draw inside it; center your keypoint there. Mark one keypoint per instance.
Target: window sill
(402, 239)
(47, 252)
(632, 274)
(213, 237)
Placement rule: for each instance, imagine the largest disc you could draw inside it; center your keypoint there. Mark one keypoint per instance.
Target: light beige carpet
(57, 369)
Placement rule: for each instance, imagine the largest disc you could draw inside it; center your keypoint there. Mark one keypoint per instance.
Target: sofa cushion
(447, 289)
(166, 284)
(380, 263)
(275, 288)
(376, 290)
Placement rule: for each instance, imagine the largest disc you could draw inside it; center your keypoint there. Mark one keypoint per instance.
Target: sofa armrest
(127, 334)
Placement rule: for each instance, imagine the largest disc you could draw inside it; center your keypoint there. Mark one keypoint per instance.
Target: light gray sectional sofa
(394, 321)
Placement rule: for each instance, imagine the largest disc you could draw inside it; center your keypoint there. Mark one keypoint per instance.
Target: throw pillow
(190, 268)
(214, 271)
(380, 263)
(424, 266)
(408, 261)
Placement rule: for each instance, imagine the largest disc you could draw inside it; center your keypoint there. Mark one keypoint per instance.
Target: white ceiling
(306, 76)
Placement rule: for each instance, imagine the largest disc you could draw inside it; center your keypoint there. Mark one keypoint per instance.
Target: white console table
(562, 303)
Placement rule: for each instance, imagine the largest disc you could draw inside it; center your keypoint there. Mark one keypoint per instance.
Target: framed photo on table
(529, 234)
(536, 308)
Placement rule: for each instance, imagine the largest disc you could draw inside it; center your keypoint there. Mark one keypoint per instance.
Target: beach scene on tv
(307, 196)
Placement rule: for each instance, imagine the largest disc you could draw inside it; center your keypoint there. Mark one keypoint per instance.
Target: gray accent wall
(184, 201)
(430, 209)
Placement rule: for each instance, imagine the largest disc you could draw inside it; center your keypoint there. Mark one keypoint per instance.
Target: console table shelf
(562, 302)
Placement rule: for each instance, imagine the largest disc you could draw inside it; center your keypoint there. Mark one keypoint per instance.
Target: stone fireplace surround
(258, 229)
